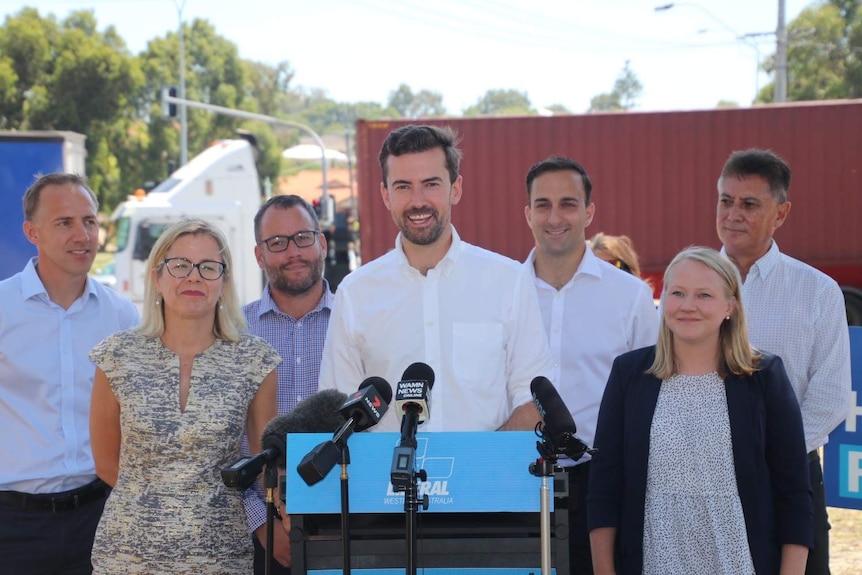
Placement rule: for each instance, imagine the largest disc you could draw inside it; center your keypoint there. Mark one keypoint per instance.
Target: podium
(483, 507)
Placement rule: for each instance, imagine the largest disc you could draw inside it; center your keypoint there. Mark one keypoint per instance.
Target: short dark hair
(763, 163)
(559, 164)
(34, 192)
(413, 139)
(284, 202)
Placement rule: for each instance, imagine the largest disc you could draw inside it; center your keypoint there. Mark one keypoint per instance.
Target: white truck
(220, 185)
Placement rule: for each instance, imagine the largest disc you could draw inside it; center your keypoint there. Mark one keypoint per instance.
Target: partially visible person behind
(51, 314)
(794, 310)
(292, 316)
(619, 251)
(468, 313)
(592, 313)
(701, 465)
(170, 403)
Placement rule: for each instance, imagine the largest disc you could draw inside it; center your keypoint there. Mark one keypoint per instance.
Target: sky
(557, 51)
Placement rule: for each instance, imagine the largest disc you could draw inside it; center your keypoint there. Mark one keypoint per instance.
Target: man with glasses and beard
(292, 316)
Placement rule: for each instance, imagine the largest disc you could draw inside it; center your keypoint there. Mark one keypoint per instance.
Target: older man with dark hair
(793, 310)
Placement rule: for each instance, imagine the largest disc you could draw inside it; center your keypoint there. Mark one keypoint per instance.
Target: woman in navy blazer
(702, 336)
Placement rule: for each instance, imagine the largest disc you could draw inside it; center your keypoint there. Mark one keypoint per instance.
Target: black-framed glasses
(302, 239)
(182, 268)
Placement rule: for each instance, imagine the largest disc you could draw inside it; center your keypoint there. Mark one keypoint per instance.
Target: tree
(627, 89)
(69, 76)
(824, 55)
(502, 103)
(423, 104)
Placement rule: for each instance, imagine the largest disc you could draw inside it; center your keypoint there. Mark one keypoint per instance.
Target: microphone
(318, 413)
(365, 407)
(413, 392)
(362, 409)
(558, 431)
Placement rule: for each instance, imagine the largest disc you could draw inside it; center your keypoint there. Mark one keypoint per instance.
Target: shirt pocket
(478, 353)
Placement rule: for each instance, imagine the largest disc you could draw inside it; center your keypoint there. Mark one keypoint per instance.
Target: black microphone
(318, 413)
(413, 392)
(362, 409)
(559, 428)
(365, 407)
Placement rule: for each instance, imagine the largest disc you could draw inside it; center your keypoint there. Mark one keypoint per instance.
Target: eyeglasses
(277, 244)
(181, 268)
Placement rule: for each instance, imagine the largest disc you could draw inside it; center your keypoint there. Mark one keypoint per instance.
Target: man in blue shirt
(51, 315)
(292, 315)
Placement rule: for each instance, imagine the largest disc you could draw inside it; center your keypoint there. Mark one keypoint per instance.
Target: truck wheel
(853, 305)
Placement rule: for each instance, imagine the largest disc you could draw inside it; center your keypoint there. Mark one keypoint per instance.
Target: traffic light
(169, 109)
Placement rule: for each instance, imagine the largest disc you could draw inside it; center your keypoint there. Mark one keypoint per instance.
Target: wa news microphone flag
(414, 391)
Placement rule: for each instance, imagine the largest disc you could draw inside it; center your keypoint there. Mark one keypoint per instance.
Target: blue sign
(842, 456)
(475, 472)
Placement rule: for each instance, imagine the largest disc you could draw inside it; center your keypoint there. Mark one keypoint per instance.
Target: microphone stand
(544, 467)
(405, 478)
(270, 483)
(345, 509)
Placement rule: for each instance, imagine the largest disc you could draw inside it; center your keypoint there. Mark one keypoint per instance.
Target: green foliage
(422, 104)
(824, 54)
(502, 103)
(627, 89)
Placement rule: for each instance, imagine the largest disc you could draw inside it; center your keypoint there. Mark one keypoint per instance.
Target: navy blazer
(769, 459)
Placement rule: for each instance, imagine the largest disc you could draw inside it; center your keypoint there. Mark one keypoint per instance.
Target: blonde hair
(619, 251)
(735, 353)
(229, 320)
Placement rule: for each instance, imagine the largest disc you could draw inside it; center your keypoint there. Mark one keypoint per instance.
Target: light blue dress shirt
(46, 379)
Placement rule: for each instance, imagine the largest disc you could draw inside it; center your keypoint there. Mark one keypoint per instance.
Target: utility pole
(184, 126)
(780, 56)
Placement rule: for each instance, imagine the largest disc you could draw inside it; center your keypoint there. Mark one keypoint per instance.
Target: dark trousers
(275, 568)
(818, 558)
(48, 542)
(580, 558)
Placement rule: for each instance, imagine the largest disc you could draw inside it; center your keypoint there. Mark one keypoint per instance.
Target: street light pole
(262, 118)
(744, 38)
(780, 56)
(184, 127)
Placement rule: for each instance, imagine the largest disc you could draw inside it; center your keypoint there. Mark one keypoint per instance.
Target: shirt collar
(32, 286)
(444, 265)
(767, 262)
(267, 304)
(589, 266)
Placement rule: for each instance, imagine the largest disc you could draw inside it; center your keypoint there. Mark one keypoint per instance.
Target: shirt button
(298, 360)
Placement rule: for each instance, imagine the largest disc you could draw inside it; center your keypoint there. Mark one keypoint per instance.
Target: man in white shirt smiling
(470, 314)
(792, 310)
(592, 312)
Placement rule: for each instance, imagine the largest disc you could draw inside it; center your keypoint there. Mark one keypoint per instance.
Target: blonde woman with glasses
(170, 402)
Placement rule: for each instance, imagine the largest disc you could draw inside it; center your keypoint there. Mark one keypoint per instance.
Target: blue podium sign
(474, 472)
(842, 456)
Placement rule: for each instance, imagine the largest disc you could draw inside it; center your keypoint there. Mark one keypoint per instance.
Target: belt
(54, 502)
